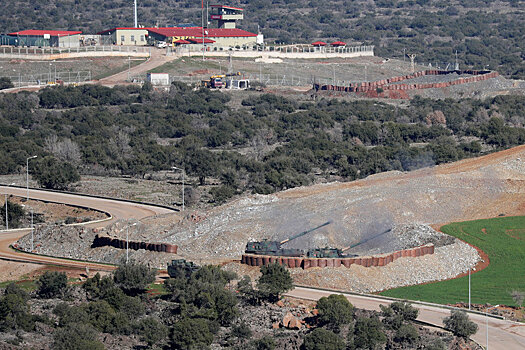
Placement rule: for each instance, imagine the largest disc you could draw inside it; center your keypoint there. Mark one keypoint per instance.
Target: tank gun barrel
(365, 240)
(304, 232)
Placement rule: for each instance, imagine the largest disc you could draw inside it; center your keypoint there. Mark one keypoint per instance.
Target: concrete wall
(306, 263)
(78, 52)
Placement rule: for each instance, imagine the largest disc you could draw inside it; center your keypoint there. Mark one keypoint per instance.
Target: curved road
(503, 334)
(117, 209)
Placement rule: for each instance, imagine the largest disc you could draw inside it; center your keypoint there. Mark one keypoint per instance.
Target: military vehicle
(266, 247)
(339, 253)
(181, 268)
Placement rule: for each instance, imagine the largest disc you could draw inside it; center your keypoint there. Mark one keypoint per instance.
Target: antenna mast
(136, 22)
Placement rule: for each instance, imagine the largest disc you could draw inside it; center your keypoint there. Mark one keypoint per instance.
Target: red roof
(200, 41)
(338, 43)
(34, 32)
(181, 41)
(319, 43)
(227, 7)
(197, 31)
(121, 28)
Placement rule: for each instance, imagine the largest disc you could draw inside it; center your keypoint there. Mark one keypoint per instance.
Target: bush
(242, 331)
(368, 333)
(459, 324)
(134, 278)
(265, 343)
(13, 288)
(322, 339)
(54, 174)
(274, 281)
(15, 212)
(335, 310)
(52, 284)
(14, 313)
(397, 313)
(407, 333)
(191, 334)
(151, 331)
(77, 336)
(6, 83)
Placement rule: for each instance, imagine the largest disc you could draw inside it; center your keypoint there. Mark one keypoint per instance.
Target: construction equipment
(181, 268)
(340, 253)
(218, 81)
(266, 247)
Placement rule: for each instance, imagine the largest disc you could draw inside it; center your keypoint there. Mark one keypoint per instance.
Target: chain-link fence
(49, 78)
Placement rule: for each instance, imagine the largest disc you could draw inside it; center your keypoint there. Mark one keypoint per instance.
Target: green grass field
(503, 239)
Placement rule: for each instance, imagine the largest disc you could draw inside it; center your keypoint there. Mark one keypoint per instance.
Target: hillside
(484, 33)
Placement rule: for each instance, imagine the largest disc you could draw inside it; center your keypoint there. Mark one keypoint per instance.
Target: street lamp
(6, 213)
(27, 174)
(487, 324)
(32, 232)
(182, 169)
(127, 242)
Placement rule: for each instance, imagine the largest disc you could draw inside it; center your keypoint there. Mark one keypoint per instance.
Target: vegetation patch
(492, 285)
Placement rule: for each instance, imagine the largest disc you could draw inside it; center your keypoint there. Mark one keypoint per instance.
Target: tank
(181, 268)
(328, 252)
(267, 247)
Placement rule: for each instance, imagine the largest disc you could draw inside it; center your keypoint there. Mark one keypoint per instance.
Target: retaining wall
(306, 263)
(384, 83)
(101, 241)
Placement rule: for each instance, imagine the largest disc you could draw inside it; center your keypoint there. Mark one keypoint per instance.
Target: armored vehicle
(266, 247)
(181, 268)
(339, 253)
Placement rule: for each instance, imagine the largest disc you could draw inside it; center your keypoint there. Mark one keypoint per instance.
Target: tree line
(268, 143)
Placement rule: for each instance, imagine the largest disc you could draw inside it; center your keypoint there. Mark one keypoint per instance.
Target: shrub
(274, 281)
(14, 313)
(13, 288)
(191, 334)
(265, 343)
(52, 284)
(151, 331)
(407, 333)
(397, 313)
(54, 174)
(368, 333)
(322, 339)
(335, 310)
(459, 324)
(15, 212)
(134, 278)
(436, 344)
(77, 336)
(242, 331)
(6, 83)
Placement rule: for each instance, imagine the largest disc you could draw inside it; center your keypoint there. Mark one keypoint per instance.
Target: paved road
(503, 334)
(117, 209)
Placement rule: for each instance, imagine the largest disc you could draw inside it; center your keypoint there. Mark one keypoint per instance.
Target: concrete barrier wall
(306, 263)
(101, 241)
(384, 84)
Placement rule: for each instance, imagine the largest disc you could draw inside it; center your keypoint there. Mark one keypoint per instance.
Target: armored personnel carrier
(267, 247)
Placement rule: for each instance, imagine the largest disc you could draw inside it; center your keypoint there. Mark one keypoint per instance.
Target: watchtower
(226, 15)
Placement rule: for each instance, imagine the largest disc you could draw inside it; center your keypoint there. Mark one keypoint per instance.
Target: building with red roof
(44, 38)
(222, 38)
(338, 43)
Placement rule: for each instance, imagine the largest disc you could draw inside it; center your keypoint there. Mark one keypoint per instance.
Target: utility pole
(32, 232)
(457, 64)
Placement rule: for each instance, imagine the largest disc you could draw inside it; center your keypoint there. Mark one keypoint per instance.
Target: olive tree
(274, 281)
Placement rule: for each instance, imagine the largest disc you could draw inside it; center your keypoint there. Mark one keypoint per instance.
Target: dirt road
(503, 334)
(158, 58)
(117, 209)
